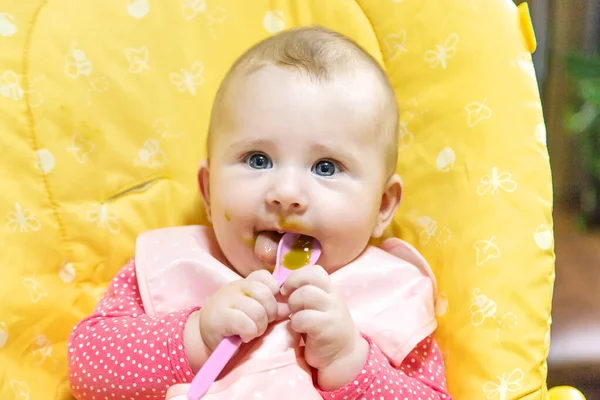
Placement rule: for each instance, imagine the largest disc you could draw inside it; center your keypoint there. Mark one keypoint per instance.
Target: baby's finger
(255, 311)
(266, 278)
(283, 311)
(309, 298)
(261, 293)
(239, 323)
(310, 275)
(310, 322)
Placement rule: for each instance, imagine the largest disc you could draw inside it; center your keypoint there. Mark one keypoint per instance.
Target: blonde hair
(319, 53)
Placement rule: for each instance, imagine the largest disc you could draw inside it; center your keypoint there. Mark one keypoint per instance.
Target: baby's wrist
(340, 371)
(195, 349)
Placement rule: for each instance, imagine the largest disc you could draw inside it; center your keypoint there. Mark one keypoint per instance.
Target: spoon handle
(280, 274)
(213, 366)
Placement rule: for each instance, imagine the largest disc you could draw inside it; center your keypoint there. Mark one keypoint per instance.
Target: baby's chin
(246, 266)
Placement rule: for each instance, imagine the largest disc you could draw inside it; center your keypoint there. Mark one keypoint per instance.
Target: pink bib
(390, 294)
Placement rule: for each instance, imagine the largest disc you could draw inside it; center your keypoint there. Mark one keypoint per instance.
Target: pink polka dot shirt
(120, 352)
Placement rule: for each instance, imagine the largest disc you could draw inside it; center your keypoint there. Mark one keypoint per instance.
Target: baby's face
(300, 156)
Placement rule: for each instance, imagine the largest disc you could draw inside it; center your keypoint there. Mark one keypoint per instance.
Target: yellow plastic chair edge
(565, 393)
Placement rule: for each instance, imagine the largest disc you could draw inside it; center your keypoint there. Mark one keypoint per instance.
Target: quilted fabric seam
(31, 120)
(138, 186)
(374, 32)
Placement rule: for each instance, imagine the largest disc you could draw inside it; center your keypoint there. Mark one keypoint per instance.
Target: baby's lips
(265, 247)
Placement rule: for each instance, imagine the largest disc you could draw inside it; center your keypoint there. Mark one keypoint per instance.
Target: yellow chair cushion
(103, 113)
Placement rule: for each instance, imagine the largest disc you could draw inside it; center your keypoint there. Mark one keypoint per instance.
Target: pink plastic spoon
(293, 252)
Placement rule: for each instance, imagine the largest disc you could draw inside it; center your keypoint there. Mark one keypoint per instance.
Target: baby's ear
(390, 200)
(204, 185)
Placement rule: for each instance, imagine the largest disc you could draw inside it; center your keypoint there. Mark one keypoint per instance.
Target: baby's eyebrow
(250, 144)
(338, 151)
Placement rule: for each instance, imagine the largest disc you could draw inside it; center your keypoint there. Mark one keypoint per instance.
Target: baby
(302, 138)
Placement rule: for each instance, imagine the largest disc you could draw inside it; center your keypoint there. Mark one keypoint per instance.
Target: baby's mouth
(265, 247)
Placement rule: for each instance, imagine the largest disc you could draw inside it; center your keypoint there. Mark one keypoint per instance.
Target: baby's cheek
(236, 201)
(351, 215)
(348, 233)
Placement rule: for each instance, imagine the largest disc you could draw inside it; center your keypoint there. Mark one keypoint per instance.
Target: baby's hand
(322, 315)
(244, 308)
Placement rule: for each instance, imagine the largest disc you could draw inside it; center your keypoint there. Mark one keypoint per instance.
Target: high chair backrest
(103, 115)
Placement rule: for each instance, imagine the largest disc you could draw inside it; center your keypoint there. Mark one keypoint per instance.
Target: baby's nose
(289, 206)
(288, 198)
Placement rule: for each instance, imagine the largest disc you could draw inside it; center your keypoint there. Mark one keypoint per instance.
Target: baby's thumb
(283, 311)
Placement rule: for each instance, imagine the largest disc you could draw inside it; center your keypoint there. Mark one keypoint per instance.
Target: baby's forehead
(326, 105)
(360, 90)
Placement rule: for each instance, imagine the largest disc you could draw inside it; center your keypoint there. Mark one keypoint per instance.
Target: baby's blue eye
(325, 168)
(259, 161)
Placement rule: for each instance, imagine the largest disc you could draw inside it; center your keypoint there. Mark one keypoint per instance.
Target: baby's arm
(120, 349)
(421, 376)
